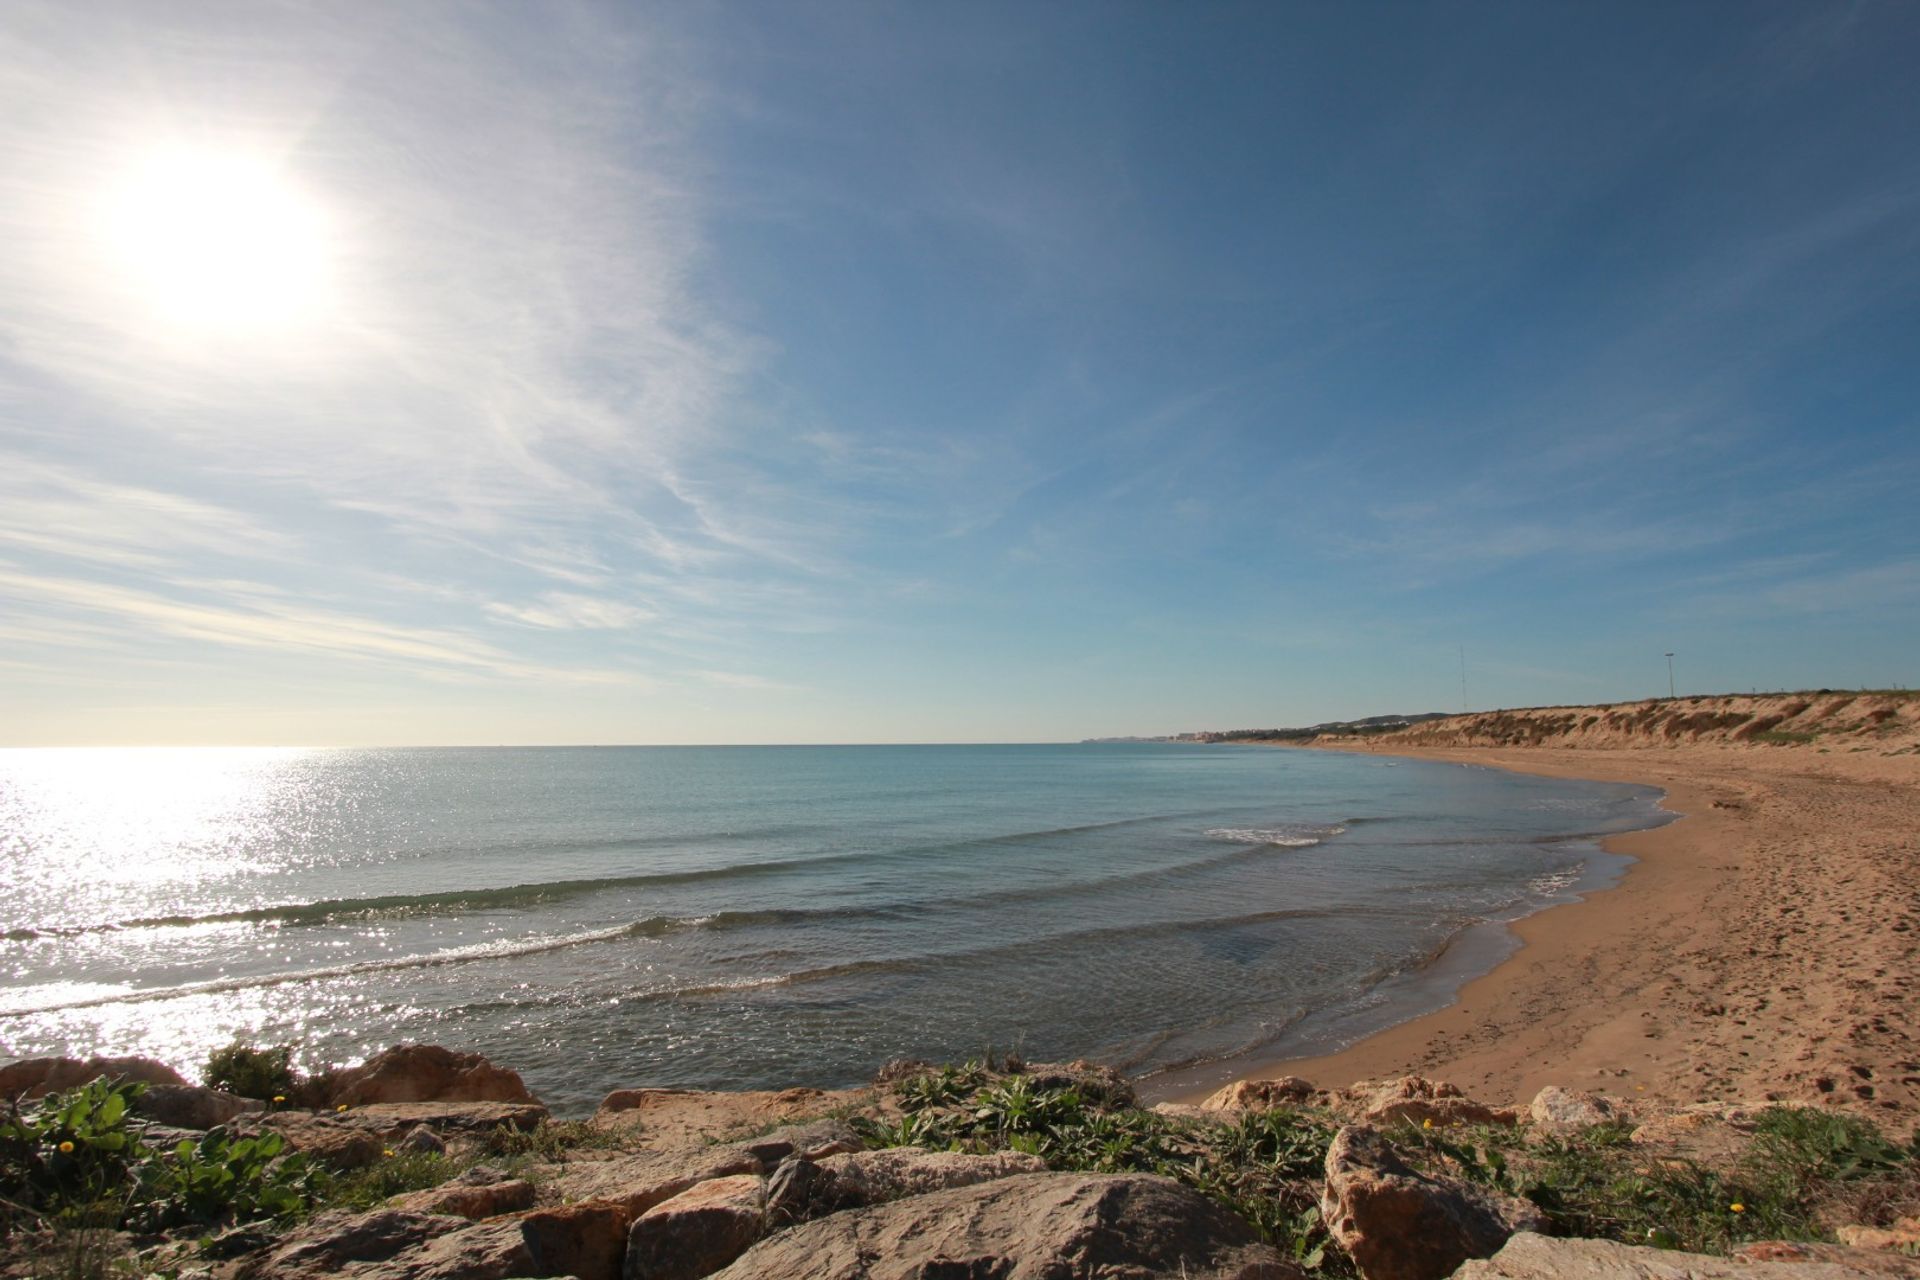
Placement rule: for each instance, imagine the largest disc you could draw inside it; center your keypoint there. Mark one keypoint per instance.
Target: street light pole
(1670, 693)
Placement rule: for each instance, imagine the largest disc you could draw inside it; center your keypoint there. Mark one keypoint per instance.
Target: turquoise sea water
(739, 917)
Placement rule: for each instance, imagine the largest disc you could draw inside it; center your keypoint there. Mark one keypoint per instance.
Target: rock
(893, 1173)
(1093, 1082)
(800, 1191)
(1689, 1122)
(1562, 1112)
(1534, 1257)
(480, 1192)
(322, 1139)
(1260, 1095)
(692, 1117)
(697, 1232)
(1401, 1224)
(585, 1241)
(187, 1106)
(1032, 1227)
(394, 1120)
(1185, 1111)
(37, 1077)
(815, 1141)
(636, 1183)
(426, 1073)
(1415, 1100)
(1797, 1258)
(1903, 1235)
(333, 1241)
(420, 1141)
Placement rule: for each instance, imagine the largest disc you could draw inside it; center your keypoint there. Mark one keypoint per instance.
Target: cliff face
(1883, 722)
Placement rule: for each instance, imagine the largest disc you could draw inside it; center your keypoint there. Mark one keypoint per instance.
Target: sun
(215, 240)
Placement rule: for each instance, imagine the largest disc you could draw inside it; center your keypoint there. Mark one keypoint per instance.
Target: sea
(762, 917)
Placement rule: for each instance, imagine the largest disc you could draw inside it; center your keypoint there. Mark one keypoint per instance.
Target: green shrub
(266, 1074)
(221, 1178)
(71, 1151)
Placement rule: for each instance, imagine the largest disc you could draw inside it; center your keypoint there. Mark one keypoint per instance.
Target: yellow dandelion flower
(66, 1148)
(388, 1152)
(341, 1107)
(1737, 1207)
(279, 1097)
(1427, 1123)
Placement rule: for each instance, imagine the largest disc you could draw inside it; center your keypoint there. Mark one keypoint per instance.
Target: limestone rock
(1416, 1100)
(1567, 1111)
(330, 1243)
(585, 1241)
(421, 1141)
(37, 1077)
(800, 1191)
(1032, 1227)
(1805, 1259)
(322, 1139)
(1534, 1257)
(1260, 1095)
(480, 1192)
(814, 1141)
(1903, 1235)
(636, 1183)
(693, 1117)
(186, 1106)
(393, 1120)
(426, 1073)
(1093, 1082)
(697, 1232)
(1401, 1224)
(893, 1173)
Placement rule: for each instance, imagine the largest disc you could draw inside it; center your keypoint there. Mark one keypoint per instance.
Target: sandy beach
(1763, 947)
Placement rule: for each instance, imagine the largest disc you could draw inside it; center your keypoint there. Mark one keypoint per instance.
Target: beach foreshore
(1765, 946)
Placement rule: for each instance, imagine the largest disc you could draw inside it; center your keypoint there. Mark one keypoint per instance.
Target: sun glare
(214, 240)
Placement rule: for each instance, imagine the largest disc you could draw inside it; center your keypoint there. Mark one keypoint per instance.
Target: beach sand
(1766, 946)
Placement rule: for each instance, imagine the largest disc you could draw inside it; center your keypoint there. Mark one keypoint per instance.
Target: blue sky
(460, 373)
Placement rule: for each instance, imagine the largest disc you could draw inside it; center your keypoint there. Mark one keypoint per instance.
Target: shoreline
(1690, 978)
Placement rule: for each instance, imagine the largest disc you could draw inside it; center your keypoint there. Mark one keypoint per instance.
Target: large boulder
(1401, 1224)
(186, 1106)
(1033, 1227)
(893, 1173)
(1563, 1112)
(1535, 1257)
(36, 1077)
(425, 1073)
(699, 1231)
(1260, 1095)
(1416, 1100)
(1812, 1259)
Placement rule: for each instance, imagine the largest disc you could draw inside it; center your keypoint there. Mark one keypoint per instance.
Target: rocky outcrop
(584, 1241)
(1813, 1261)
(874, 1177)
(322, 1139)
(480, 1192)
(1563, 1112)
(1031, 1226)
(36, 1077)
(1416, 1100)
(1534, 1257)
(186, 1106)
(425, 1073)
(1903, 1235)
(1260, 1095)
(815, 1141)
(636, 1183)
(699, 1231)
(1401, 1224)
(691, 1117)
(397, 1119)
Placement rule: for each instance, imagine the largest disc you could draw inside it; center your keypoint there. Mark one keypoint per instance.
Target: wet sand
(1765, 946)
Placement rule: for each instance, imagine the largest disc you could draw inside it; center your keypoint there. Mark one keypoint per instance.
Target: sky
(697, 372)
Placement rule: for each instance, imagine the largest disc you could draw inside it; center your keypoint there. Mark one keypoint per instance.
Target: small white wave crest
(1284, 837)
